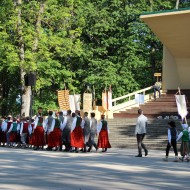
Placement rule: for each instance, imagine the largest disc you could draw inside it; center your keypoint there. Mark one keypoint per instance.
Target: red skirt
(103, 140)
(31, 139)
(54, 138)
(38, 139)
(13, 136)
(77, 138)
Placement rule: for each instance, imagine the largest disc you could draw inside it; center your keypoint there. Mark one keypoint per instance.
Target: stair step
(122, 127)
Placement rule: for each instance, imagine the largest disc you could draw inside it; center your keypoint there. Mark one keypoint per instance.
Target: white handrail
(131, 94)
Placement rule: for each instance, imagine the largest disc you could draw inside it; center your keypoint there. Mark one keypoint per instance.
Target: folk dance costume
(19, 123)
(13, 132)
(86, 130)
(9, 122)
(55, 140)
(66, 123)
(3, 138)
(184, 136)
(30, 131)
(24, 133)
(103, 139)
(93, 132)
(53, 132)
(172, 137)
(39, 133)
(49, 126)
(77, 138)
(1, 121)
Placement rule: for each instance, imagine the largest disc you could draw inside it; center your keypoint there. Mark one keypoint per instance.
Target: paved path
(117, 169)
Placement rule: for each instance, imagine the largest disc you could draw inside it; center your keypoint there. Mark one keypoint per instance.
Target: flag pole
(179, 92)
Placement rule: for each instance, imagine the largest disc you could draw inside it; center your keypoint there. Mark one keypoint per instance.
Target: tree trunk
(38, 25)
(177, 4)
(36, 39)
(26, 90)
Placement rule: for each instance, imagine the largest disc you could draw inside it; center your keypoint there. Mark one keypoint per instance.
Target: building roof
(173, 30)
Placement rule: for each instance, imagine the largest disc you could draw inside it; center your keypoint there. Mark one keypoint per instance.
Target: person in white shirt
(49, 127)
(65, 126)
(172, 137)
(140, 132)
(93, 132)
(24, 133)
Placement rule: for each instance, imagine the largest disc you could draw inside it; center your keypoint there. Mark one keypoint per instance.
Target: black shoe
(139, 155)
(146, 152)
(36, 148)
(48, 148)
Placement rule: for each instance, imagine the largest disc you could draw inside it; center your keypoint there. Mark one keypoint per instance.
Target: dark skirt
(3, 137)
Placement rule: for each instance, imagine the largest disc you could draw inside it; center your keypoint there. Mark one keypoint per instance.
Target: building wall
(183, 67)
(170, 76)
(175, 72)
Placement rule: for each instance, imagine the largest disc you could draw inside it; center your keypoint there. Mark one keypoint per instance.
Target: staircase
(164, 106)
(122, 133)
(122, 127)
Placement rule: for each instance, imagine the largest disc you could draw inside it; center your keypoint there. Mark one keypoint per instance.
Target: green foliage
(99, 42)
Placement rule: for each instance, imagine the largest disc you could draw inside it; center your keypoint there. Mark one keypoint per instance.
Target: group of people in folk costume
(72, 131)
(174, 137)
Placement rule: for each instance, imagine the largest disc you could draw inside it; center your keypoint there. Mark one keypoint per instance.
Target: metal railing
(129, 99)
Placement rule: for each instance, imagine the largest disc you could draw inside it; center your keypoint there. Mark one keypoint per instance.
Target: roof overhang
(173, 30)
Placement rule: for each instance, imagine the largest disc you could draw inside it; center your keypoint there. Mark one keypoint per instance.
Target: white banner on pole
(181, 105)
(74, 102)
(139, 98)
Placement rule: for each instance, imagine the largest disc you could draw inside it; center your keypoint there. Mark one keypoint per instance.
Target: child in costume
(172, 136)
(184, 136)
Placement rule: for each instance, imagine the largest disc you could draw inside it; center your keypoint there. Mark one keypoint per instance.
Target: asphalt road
(118, 169)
